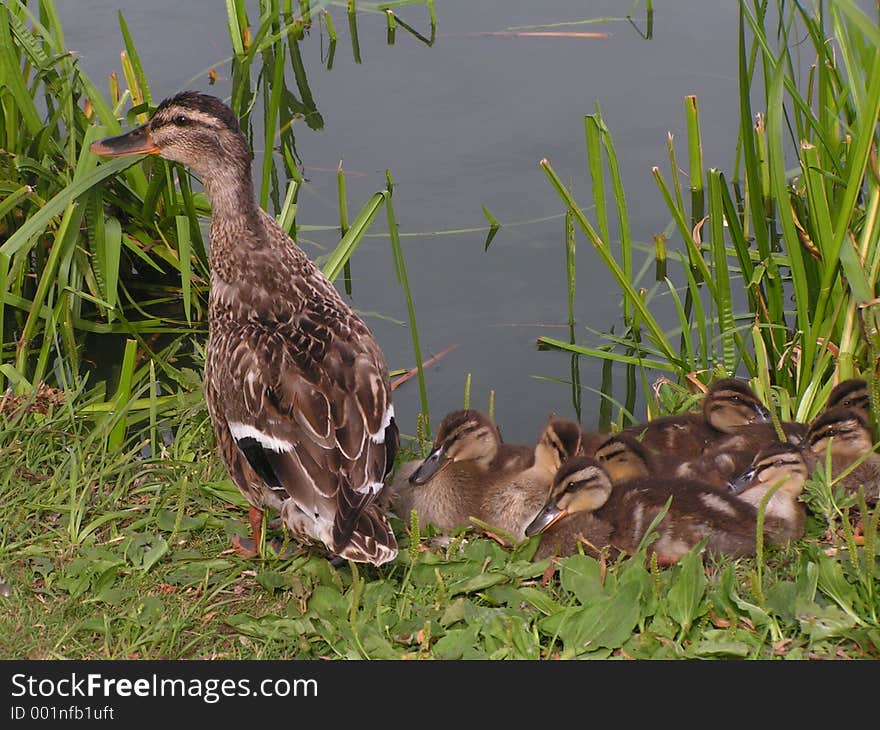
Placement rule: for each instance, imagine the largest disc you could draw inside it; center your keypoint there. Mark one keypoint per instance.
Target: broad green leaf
(581, 575)
(606, 622)
(168, 520)
(685, 600)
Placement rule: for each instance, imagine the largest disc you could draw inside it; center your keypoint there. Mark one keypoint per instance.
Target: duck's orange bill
(135, 142)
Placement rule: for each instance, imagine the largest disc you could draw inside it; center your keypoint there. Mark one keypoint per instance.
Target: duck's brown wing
(308, 404)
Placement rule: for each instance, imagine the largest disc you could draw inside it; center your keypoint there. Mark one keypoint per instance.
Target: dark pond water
(461, 124)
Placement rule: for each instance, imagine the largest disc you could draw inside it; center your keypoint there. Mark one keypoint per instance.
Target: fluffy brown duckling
(733, 452)
(728, 404)
(846, 434)
(624, 457)
(572, 514)
(446, 488)
(784, 514)
(510, 504)
(851, 393)
(584, 504)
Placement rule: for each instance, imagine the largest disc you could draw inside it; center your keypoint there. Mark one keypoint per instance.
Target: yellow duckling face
(782, 464)
(561, 438)
(624, 457)
(731, 403)
(581, 485)
(845, 431)
(463, 436)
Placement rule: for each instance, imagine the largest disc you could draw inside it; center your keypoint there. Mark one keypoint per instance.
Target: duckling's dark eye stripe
(608, 454)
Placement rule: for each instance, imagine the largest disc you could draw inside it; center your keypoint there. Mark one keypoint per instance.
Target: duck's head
(846, 431)
(581, 485)
(195, 129)
(560, 439)
(780, 462)
(731, 403)
(462, 436)
(624, 457)
(852, 393)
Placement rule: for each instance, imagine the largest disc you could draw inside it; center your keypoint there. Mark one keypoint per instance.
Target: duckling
(851, 393)
(446, 488)
(696, 511)
(447, 502)
(755, 436)
(296, 385)
(624, 457)
(784, 515)
(729, 403)
(846, 432)
(470, 437)
(511, 504)
(734, 451)
(572, 514)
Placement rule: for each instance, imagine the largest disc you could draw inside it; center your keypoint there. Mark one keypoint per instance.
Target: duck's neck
(235, 214)
(231, 190)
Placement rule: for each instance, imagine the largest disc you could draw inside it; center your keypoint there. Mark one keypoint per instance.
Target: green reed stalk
(400, 268)
(331, 28)
(621, 209)
(279, 57)
(602, 249)
(353, 32)
(123, 394)
(570, 270)
(723, 294)
(391, 25)
(597, 174)
(695, 157)
(343, 221)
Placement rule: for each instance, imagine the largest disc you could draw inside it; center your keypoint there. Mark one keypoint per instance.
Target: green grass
(109, 552)
(118, 514)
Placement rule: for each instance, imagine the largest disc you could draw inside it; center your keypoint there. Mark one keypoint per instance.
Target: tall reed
(792, 255)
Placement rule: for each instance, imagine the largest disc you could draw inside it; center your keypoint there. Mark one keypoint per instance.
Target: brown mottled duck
(296, 385)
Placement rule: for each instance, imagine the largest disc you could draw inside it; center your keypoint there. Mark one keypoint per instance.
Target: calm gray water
(461, 124)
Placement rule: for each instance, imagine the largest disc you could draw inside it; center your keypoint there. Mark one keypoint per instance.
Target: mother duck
(296, 386)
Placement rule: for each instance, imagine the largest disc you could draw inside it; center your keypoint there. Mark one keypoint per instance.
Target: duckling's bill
(742, 482)
(546, 518)
(434, 463)
(135, 142)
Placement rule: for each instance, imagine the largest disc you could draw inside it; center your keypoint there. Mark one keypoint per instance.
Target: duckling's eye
(180, 121)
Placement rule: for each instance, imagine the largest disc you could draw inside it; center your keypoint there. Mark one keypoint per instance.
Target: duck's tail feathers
(371, 541)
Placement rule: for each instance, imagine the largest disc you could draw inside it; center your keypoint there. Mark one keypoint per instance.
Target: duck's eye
(180, 121)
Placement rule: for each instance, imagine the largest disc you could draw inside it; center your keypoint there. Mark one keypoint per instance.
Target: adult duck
(296, 386)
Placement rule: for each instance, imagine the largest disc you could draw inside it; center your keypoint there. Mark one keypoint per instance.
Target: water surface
(461, 124)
